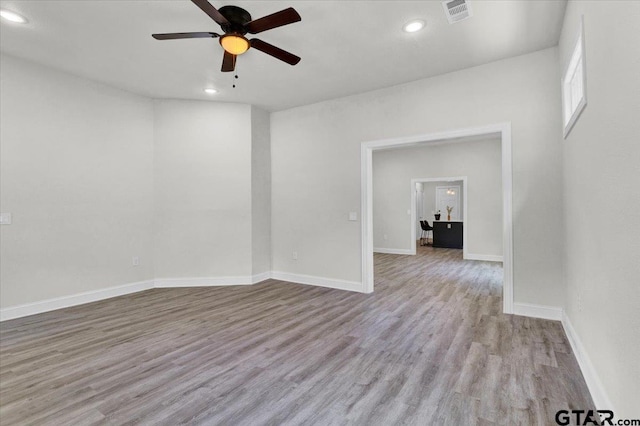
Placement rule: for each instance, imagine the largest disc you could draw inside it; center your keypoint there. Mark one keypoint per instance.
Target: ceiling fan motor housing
(237, 17)
(236, 22)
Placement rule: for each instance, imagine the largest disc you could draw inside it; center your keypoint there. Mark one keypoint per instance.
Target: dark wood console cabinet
(447, 234)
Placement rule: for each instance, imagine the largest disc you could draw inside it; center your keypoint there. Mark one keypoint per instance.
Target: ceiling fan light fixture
(236, 22)
(12, 16)
(234, 44)
(413, 26)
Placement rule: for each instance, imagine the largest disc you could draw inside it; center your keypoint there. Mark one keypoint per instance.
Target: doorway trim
(464, 211)
(503, 130)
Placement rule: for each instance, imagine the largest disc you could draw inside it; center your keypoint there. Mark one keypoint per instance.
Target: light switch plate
(353, 216)
(5, 218)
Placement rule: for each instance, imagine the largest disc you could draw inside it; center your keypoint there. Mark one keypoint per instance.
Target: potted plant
(437, 215)
(449, 210)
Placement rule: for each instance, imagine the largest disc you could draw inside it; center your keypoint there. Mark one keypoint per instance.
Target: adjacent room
(210, 212)
(414, 185)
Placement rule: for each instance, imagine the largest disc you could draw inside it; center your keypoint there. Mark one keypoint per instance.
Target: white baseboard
(599, 395)
(318, 281)
(393, 251)
(203, 281)
(18, 311)
(485, 257)
(538, 311)
(256, 278)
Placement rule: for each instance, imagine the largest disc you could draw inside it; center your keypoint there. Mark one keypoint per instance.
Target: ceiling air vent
(456, 10)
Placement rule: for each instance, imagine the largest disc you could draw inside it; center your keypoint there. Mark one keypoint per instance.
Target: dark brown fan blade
(211, 11)
(276, 52)
(174, 36)
(228, 62)
(278, 19)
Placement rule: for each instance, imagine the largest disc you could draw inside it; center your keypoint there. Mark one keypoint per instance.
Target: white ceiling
(347, 47)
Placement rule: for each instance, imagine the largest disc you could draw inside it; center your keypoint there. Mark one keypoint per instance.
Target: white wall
(95, 176)
(202, 187)
(260, 191)
(76, 173)
(479, 160)
(602, 199)
(316, 164)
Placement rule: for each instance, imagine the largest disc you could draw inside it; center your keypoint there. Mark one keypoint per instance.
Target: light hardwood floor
(430, 346)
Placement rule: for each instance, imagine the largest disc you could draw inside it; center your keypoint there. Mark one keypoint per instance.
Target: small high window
(574, 85)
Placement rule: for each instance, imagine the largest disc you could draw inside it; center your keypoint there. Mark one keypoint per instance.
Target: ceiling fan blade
(278, 19)
(211, 11)
(175, 36)
(228, 62)
(276, 52)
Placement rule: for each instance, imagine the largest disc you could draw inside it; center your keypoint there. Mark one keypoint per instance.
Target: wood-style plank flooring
(430, 346)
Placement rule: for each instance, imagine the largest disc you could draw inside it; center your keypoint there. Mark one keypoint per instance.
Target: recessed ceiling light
(210, 91)
(12, 16)
(413, 26)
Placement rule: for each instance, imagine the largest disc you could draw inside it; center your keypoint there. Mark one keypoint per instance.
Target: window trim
(570, 70)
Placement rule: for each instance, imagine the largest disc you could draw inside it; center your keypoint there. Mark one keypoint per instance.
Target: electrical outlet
(135, 261)
(5, 218)
(294, 255)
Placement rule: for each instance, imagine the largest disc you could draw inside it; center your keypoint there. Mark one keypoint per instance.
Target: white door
(448, 196)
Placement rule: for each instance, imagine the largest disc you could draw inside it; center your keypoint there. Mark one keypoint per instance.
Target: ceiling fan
(236, 22)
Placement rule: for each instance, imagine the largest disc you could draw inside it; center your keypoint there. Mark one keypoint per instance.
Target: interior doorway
(503, 132)
(458, 182)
